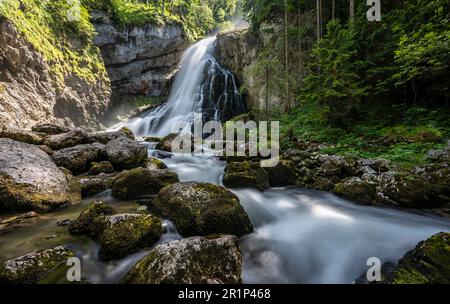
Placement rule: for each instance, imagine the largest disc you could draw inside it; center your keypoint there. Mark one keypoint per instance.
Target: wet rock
(246, 175)
(93, 186)
(323, 184)
(152, 139)
(29, 180)
(356, 190)
(195, 260)
(78, 159)
(282, 175)
(85, 222)
(155, 164)
(202, 209)
(30, 268)
(428, 263)
(46, 149)
(124, 153)
(125, 234)
(67, 140)
(165, 144)
(21, 135)
(101, 167)
(106, 137)
(50, 129)
(142, 183)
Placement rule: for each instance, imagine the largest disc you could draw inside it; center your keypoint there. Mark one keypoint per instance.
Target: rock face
(29, 180)
(30, 268)
(428, 263)
(202, 209)
(190, 261)
(124, 153)
(141, 60)
(78, 159)
(30, 92)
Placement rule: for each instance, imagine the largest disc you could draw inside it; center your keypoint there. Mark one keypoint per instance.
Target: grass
(403, 137)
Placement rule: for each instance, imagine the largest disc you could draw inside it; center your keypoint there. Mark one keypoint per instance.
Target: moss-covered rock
(93, 186)
(78, 159)
(356, 190)
(190, 261)
(66, 140)
(125, 154)
(337, 167)
(428, 263)
(30, 268)
(125, 234)
(142, 183)
(85, 222)
(165, 144)
(49, 129)
(101, 167)
(21, 135)
(106, 137)
(246, 175)
(202, 209)
(323, 184)
(283, 174)
(155, 164)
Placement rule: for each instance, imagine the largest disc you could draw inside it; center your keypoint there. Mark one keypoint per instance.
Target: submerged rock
(125, 234)
(190, 261)
(142, 183)
(50, 129)
(357, 190)
(246, 175)
(66, 140)
(124, 153)
(32, 267)
(428, 263)
(78, 159)
(21, 135)
(202, 209)
(85, 222)
(30, 180)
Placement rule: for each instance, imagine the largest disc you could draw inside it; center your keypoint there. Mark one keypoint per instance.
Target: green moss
(84, 223)
(102, 167)
(246, 175)
(2, 89)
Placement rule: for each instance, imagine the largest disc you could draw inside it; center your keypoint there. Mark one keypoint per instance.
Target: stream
(301, 235)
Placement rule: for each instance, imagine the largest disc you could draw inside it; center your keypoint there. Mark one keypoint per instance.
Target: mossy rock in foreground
(246, 175)
(125, 234)
(32, 267)
(195, 260)
(84, 223)
(201, 209)
(428, 263)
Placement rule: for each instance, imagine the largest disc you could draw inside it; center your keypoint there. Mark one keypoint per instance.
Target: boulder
(92, 186)
(141, 183)
(49, 129)
(357, 190)
(106, 137)
(337, 167)
(46, 149)
(32, 267)
(155, 164)
(195, 260)
(282, 174)
(200, 209)
(428, 263)
(78, 159)
(22, 135)
(101, 167)
(124, 153)
(246, 175)
(30, 180)
(125, 234)
(165, 143)
(84, 223)
(67, 140)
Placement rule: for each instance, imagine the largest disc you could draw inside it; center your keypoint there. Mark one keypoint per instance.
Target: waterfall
(201, 86)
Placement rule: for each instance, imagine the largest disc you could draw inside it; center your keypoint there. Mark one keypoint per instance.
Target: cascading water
(201, 86)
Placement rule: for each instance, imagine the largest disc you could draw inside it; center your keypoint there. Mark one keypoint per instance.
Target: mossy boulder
(155, 164)
(246, 175)
(283, 174)
(30, 180)
(124, 153)
(428, 263)
(21, 135)
(194, 260)
(101, 167)
(337, 167)
(201, 209)
(165, 144)
(125, 234)
(79, 158)
(142, 183)
(94, 185)
(357, 190)
(85, 222)
(49, 129)
(66, 140)
(323, 184)
(106, 137)
(32, 267)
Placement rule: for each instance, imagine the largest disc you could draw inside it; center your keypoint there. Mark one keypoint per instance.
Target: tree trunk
(352, 9)
(333, 9)
(318, 19)
(286, 53)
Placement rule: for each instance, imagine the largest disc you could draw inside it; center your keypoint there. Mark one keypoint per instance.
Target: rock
(428, 263)
(337, 167)
(125, 234)
(202, 209)
(32, 267)
(152, 139)
(356, 190)
(106, 137)
(21, 135)
(282, 175)
(155, 164)
(141, 183)
(29, 180)
(246, 175)
(93, 186)
(102, 167)
(124, 153)
(165, 144)
(67, 140)
(46, 149)
(379, 165)
(195, 260)
(323, 184)
(49, 129)
(85, 222)
(78, 159)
